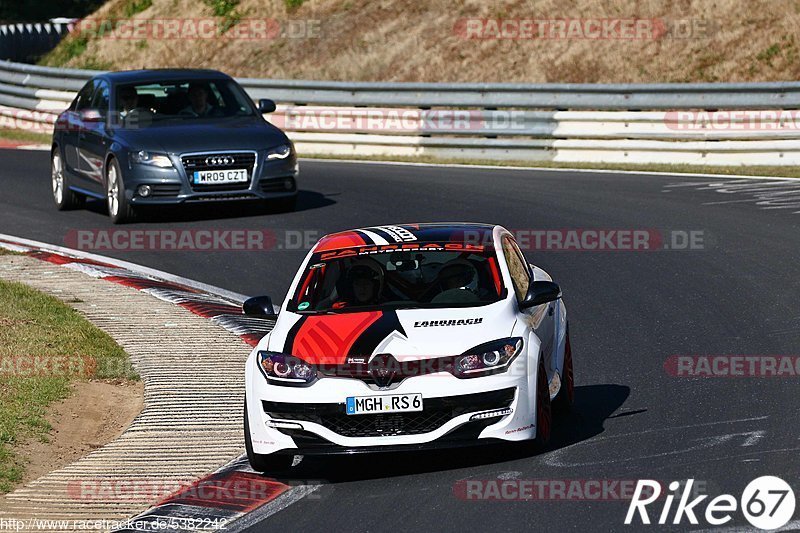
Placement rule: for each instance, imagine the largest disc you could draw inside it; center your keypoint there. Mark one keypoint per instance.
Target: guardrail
(719, 124)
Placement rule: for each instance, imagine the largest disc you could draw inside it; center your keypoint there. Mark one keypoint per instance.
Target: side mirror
(265, 105)
(91, 115)
(540, 292)
(259, 306)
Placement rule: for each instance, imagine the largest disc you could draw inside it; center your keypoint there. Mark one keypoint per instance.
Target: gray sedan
(166, 137)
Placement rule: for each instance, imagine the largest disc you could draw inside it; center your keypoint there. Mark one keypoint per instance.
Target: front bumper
(267, 180)
(312, 420)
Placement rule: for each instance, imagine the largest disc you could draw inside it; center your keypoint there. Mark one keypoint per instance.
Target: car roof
(167, 74)
(440, 232)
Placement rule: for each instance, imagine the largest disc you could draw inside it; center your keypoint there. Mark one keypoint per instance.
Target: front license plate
(213, 177)
(395, 403)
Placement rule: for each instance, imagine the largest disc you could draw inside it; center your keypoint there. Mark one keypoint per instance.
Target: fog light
(280, 424)
(144, 190)
(288, 184)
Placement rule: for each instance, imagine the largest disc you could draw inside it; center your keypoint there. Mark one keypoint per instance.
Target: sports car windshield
(430, 276)
(181, 100)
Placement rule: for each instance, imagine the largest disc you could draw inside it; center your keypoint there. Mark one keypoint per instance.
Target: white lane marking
(703, 444)
(133, 267)
(280, 503)
(34, 147)
(509, 475)
(46, 147)
(754, 438)
(555, 457)
(725, 457)
(791, 526)
(15, 248)
(728, 186)
(548, 169)
(765, 194)
(703, 424)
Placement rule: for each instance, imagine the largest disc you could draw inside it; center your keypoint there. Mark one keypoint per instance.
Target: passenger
(459, 274)
(459, 283)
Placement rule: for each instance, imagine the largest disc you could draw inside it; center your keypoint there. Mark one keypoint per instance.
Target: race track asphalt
(629, 312)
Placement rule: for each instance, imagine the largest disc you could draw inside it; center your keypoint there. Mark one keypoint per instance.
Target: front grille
(165, 189)
(222, 198)
(245, 160)
(464, 435)
(385, 425)
(436, 412)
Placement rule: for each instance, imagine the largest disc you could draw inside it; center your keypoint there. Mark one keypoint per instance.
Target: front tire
(566, 395)
(259, 462)
(544, 412)
(119, 209)
(63, 196)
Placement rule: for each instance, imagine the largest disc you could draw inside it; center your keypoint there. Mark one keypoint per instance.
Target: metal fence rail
(530, 96)
(561, 122)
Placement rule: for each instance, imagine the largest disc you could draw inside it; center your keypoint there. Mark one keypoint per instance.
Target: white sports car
(408, 337)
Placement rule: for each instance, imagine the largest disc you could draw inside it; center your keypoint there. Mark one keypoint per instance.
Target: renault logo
(383, 369)
(219, 161)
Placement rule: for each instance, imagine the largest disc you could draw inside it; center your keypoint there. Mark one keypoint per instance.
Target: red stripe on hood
(327, 339)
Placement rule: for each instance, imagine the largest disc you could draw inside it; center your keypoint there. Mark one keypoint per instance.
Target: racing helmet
(367, 269)
(459, 274)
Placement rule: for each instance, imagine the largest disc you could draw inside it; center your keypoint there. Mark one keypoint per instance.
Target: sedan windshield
(430, 276)
(181, 100)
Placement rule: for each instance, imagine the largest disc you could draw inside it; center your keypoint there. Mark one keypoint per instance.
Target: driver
(129, 102)
(198, 102)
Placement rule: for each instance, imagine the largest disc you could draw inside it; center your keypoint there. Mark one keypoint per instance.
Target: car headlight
(490, 358)
(283, 369)
(155, 159)
(279, 152)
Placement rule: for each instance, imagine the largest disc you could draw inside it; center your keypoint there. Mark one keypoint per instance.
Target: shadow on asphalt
(593, 405)
(306, 201)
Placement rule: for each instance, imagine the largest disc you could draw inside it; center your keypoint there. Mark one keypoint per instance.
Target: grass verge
(44, 346)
